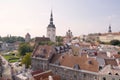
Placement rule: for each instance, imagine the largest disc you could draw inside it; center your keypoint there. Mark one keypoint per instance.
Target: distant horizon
(83, 17)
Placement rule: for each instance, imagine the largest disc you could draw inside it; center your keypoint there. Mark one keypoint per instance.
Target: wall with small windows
(109, 77)
(67, 73)
(39, 63)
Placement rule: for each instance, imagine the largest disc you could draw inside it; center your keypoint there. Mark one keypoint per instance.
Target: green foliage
(27, 60)
(115, 42)
(12, 39)
(59, 44)
(59, 39)
(46, 43)
(24, 48)
(103, 42)
(11, 58)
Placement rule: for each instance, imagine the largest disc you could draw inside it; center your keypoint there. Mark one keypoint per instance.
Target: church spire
(51, 18)
(51, 25)
(109, 29)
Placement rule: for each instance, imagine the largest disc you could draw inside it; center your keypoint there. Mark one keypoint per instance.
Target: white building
(107, 37)
(51, 30)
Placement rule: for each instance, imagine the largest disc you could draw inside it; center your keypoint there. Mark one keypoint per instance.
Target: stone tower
(69, 35)
(51, 29)
(27, 37)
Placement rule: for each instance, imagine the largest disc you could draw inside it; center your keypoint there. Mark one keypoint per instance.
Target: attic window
(89, 62)
(109, 73)
(116, 74)
(104, 78)
(76, 66)
(62, 57)
(100, 67)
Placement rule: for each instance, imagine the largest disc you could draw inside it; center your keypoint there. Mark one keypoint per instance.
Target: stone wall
(109, 77)
(39, 63)
(67, 73)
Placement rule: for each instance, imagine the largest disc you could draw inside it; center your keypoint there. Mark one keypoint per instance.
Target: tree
(46, 43)
(20, 39)
(114, 42)
(12, 39)
(24, 48)
(27, 60)
(59, 39)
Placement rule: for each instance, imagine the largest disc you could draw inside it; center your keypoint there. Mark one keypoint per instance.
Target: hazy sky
(17, 17)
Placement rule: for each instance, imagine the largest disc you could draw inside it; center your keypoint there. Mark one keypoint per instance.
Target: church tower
(27, 37)
(51, 29)
(109, 31)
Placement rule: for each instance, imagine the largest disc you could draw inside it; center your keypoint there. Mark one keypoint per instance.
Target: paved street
(6, 69)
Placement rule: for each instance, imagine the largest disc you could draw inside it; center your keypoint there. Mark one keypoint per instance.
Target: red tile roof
(43, 50)
(82, 61)
(112, 62)
(39, 39)
(45, 75)
(116, 55)
(36, 72)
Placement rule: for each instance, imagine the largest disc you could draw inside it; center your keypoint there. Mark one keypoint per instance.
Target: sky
(18, 17)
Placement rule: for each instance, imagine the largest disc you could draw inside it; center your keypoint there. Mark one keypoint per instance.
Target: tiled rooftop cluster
(88, 60)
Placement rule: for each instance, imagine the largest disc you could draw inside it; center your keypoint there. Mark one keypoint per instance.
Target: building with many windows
(107, 37)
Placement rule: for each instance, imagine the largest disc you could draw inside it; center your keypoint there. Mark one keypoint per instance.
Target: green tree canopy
(114, 42)
(27, 60)
(12, 39)
(46, 43)
(24, 48)
(59, 39)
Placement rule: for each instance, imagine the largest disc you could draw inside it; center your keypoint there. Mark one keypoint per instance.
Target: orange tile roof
(82, 61)
(45, 75)
(112, 62)
(39, 51)
(39, 39)
(116, 55)
(36, 72)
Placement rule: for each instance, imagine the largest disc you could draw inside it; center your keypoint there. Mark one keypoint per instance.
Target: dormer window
(76, 66)
(89, 62)
(110, 73)
(104, 78)
(116, 74)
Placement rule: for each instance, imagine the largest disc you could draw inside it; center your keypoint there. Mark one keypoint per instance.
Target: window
(110, 73)
(84, 75)
(104, 78)
(116, 74)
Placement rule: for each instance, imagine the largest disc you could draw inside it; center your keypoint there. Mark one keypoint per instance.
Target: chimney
(50, 77)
